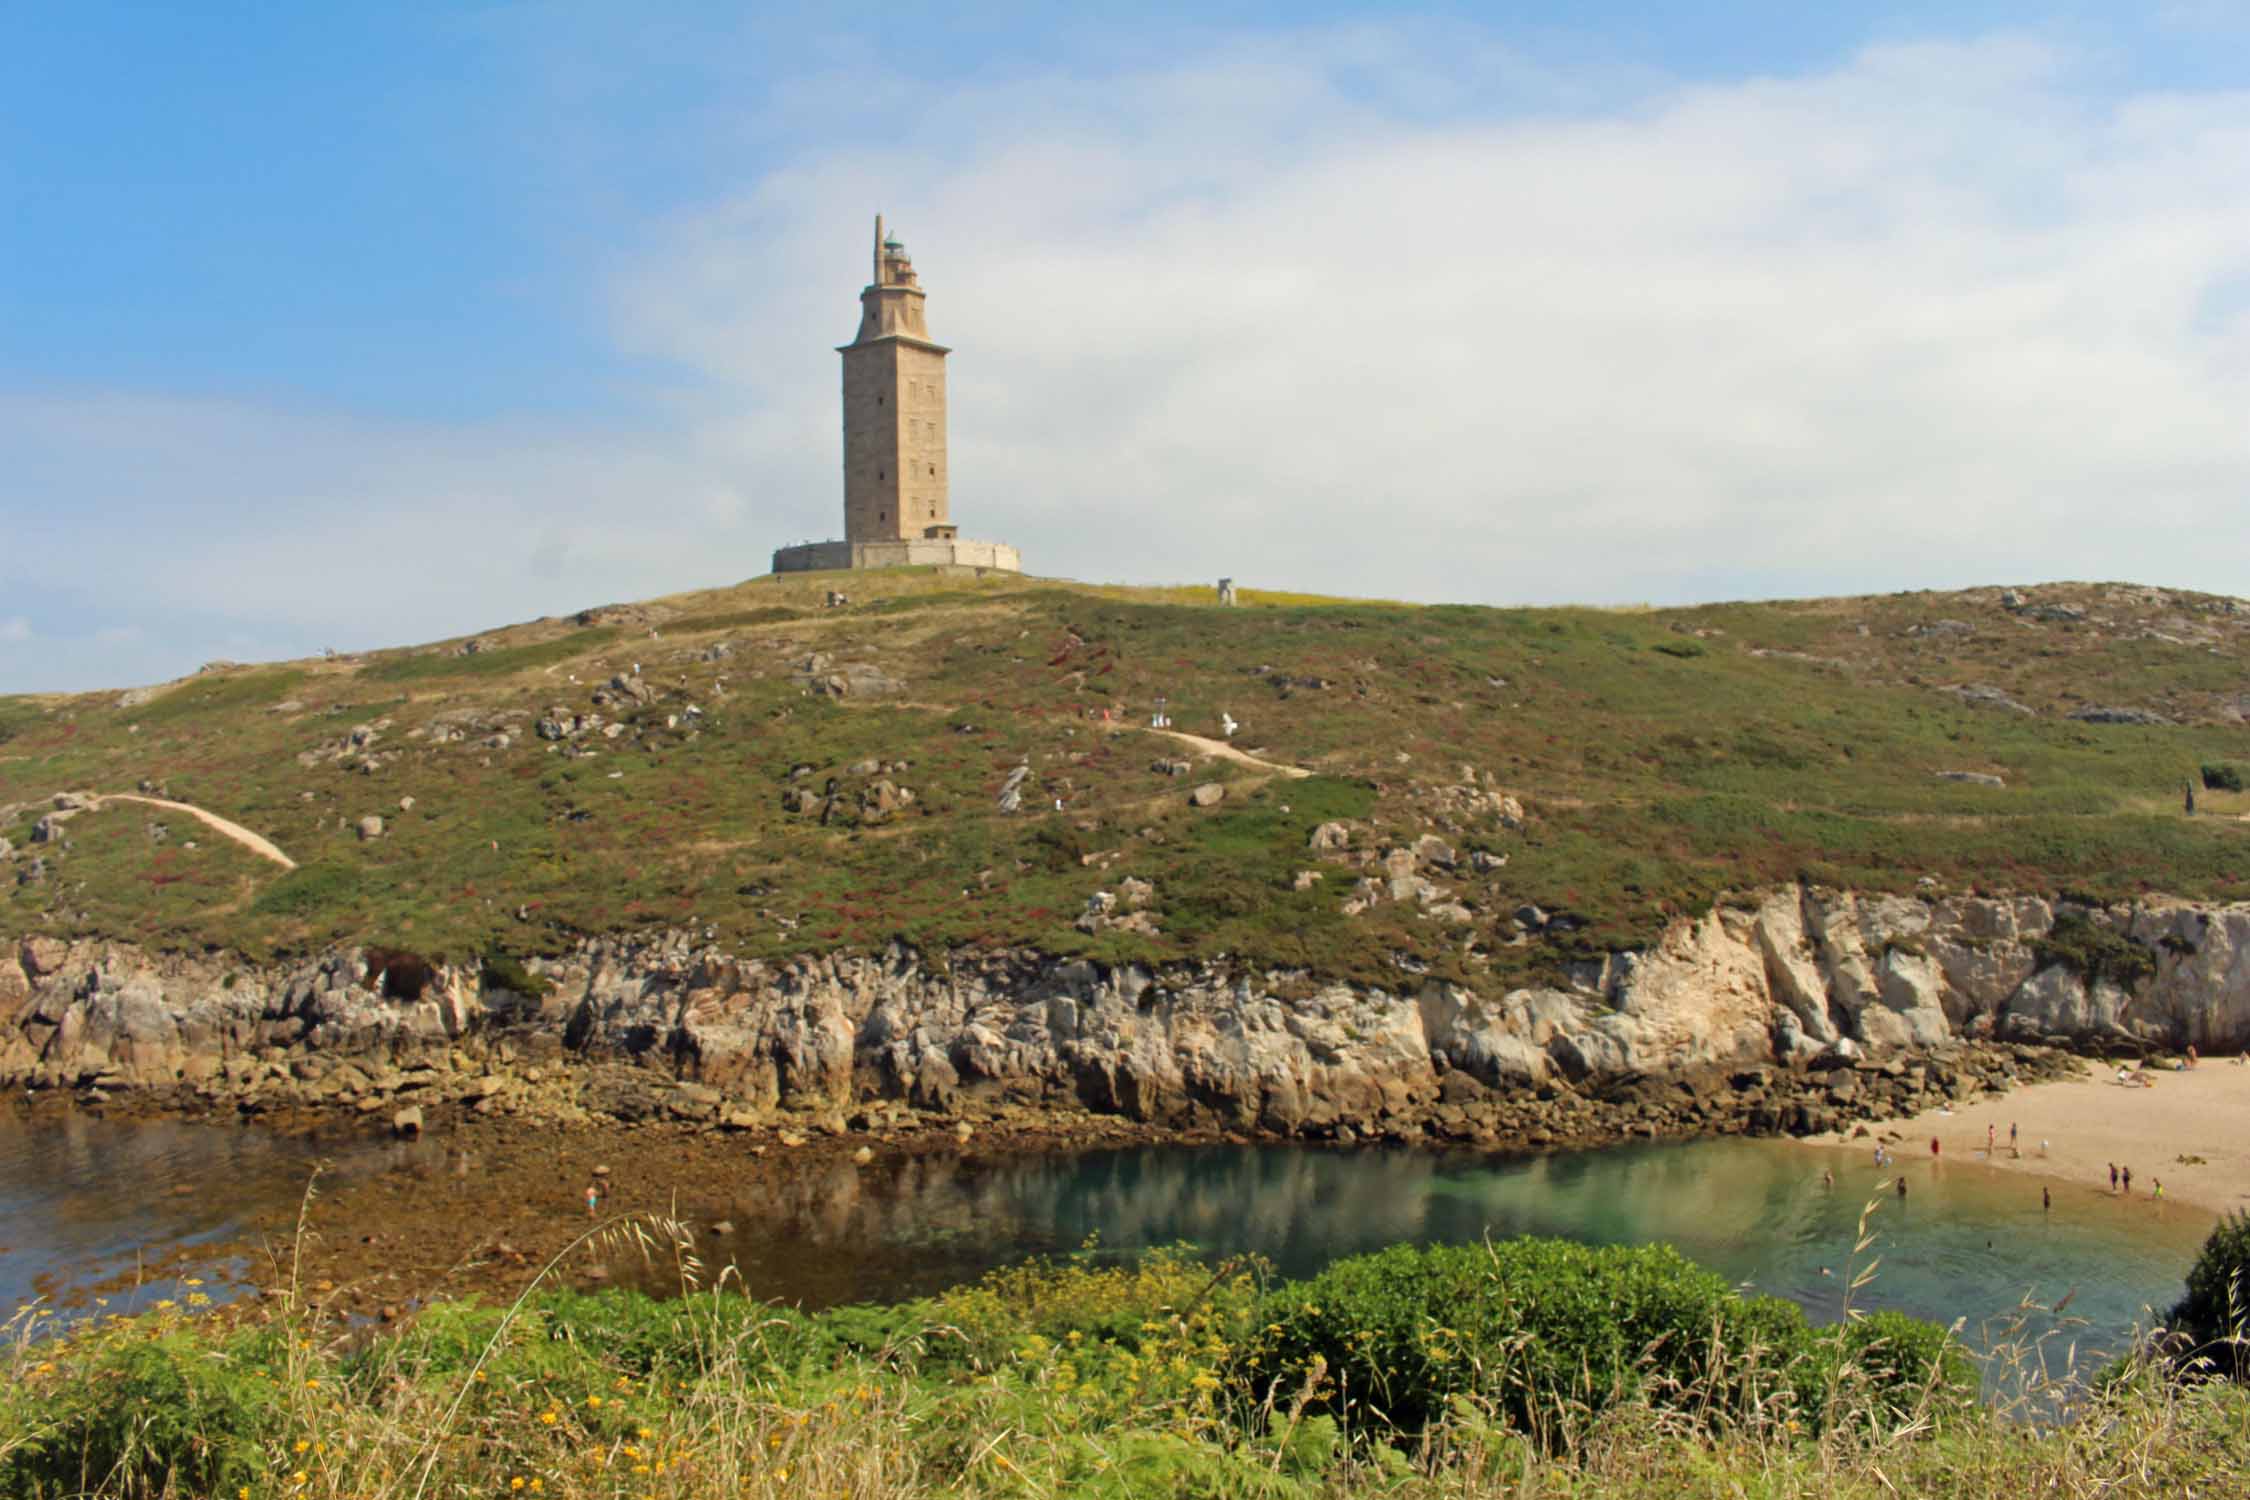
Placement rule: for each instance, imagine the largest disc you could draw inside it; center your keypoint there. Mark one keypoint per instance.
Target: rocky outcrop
(1805, 1003)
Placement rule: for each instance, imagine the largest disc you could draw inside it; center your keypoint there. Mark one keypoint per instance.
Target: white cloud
(15, 629)
(1373, 311)
(1931, 318)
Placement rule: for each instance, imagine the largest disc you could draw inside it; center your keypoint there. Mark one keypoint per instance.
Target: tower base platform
(927, 552)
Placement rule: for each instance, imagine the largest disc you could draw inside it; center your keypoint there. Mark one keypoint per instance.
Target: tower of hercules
(897, 505)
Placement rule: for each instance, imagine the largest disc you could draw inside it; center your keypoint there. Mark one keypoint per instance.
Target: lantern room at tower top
(897, 480)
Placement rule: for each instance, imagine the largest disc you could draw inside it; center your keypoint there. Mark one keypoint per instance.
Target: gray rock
(1330, 838)
(2107, 714)
(1983, 695)
(1210, 794)
(370, 827)
(1973, 778)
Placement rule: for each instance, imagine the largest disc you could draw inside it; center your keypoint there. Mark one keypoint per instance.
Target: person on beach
(1990, 1144)
(2158, 1190)
(1933, 1148)
(2113, 1177)
(593, 1198)
(2046, 1201)
(1902, 1190)
(1827, 1178)
(2125, 1175)
(2012, 1151)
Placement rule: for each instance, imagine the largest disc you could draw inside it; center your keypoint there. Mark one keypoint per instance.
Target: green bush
(2093, 952)
(504, 971)
(2222, 776)
(1541, 1327)
(2215, 1313)
(1886, 1363)
(176, 1412)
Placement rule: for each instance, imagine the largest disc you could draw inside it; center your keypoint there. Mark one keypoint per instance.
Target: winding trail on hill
(256, 843)
(1225, 751)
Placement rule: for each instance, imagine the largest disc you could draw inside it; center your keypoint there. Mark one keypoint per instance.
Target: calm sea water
(81, 1198)
(84, 1200)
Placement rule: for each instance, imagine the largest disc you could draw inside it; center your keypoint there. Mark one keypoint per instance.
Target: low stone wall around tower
(821, 557)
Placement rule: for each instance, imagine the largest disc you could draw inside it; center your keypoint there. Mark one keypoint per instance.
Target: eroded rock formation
(1813, 985)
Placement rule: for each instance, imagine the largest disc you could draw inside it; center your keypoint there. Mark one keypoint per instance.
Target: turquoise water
(82, 1199)
(1967, 1243)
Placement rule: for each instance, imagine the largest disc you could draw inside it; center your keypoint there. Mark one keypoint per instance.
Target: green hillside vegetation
(1661, 759)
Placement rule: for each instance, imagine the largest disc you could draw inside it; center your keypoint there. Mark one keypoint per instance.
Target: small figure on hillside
(2189, 788)
(593, 1198)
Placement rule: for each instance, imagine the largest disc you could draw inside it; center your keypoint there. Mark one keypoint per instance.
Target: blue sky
(355, 325)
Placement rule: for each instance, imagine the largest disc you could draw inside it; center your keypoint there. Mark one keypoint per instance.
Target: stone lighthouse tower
(897, 490)
(894, 410)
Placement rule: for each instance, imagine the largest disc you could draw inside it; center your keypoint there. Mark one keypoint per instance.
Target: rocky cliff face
(1800, 984)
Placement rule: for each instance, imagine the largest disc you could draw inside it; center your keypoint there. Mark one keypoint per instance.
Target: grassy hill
(1660, 758)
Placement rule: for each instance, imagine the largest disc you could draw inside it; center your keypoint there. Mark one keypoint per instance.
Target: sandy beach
(2072, 1130)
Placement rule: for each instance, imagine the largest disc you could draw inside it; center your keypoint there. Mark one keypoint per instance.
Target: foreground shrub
(2222, 776)
(2215, 1313)
(1543, 1328)
(1885, 1366)
(164, 1406)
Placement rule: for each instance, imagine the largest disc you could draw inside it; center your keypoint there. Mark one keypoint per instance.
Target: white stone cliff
(1796, 977)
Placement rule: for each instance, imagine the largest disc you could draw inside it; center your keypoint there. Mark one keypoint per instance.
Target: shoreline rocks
(1796, 1011)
